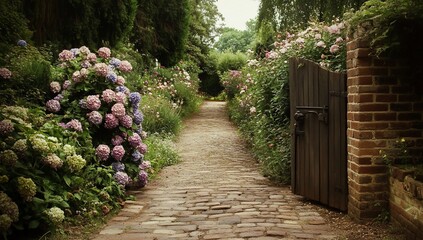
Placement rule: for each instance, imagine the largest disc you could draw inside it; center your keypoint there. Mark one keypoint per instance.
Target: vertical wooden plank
(307, 129)
(335, 188)
(324, 138)
(293, 102)
(343, 141)
(300, 139)
(314, 132)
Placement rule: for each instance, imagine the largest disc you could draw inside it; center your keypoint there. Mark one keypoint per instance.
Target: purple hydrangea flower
(66, 55)
(75, 51)
(134, 140)
(22, 43)
(111, 121)
(122, 89)
(95, 117)
(135, 98)
(66, 84)
(118, 167)
(102, 152)
(122, 178)
(118, 152)
(137, 156)
(59, 97)
(143, 177)
(114, 62)
(53, 106)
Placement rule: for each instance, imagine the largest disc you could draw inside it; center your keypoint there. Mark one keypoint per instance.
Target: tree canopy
(234, 40)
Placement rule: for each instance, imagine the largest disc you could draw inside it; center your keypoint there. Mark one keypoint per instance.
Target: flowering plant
(89, 92)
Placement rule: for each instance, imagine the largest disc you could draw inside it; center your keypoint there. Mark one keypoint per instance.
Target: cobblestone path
(216, 192)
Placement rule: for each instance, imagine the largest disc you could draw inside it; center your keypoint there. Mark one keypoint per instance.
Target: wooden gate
(318, 128)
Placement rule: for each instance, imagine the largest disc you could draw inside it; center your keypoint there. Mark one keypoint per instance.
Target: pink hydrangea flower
(142, 148)
(126, 121)
(95, 117)
(117, 140)
(120, 81)
(108, 95)
(104, 52)
(53, 106)
(145, 165)
(75, 125)
(118, 110)
(120, 97)
(101, 69)
(66, 55)
(125, 66)
(118, 152)
(334, 48)
(6, 127)
(143, 177)
(91, 57)
(55, 87)
(93, 102)
(66, 84)
(84, 50)
(111, 121)
(5, 73)
(76, 76)
(102, 152)
(134, 140)
(84, 72)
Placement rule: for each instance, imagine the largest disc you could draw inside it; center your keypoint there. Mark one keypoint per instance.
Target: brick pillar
(381, 109)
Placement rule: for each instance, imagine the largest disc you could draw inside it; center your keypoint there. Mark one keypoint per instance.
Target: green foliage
(160, 115)
(13, 25)
(75, 23)
(162, 152)
(231, 61)
(258, 94)
(30, 76)
(392, 26)
(161, 29)
(234, 40)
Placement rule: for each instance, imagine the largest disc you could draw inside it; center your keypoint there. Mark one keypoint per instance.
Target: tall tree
(161, 29)
(71, 23)
(235, 40)
(287, 14)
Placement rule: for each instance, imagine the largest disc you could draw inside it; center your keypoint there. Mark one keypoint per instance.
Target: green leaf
(67, 180)
(33, 224)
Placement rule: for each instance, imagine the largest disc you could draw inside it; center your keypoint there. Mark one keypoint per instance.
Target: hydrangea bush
(259, 94)
(89, 92)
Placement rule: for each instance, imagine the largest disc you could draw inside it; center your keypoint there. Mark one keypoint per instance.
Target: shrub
(161, 115)
(258, 94)
(231, 61)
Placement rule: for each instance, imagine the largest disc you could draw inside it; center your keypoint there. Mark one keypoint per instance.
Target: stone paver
(216, 192)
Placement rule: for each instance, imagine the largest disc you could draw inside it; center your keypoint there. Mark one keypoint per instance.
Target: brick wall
(384, 104)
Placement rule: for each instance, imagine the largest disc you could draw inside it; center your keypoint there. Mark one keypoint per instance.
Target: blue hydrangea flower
(75, 51)
(134, 97)
(137, 156)
(112, 76)
(118, 166)
(122, 89)
(22, 43)
(114, 62)
(138, 117)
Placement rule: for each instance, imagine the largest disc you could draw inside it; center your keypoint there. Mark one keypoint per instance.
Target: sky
(238, 12)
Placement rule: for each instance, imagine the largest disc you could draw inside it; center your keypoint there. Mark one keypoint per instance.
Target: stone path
(216, 192)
